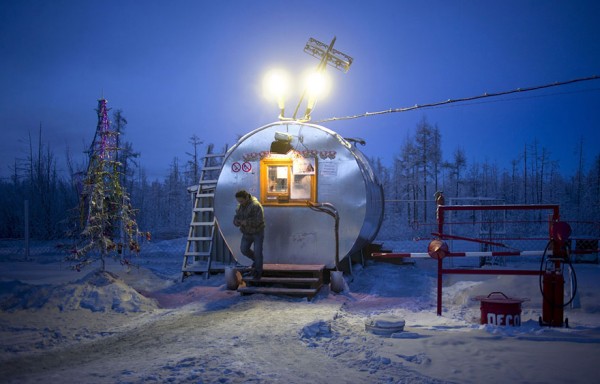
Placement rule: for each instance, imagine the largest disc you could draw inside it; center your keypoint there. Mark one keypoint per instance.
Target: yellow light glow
(276, 86)
(318, 84)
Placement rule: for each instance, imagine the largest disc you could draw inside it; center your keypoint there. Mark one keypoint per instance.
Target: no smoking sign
(246, 167)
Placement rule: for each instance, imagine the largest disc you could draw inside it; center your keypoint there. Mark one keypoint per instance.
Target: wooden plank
(293, 267)
(284, 280)
(279, 291)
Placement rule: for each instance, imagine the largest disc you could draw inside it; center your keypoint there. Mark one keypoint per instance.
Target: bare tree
(427, 152)
(456, 167)
(42, 185)
(525, 184)
(513, 177)
(126, 156)
(194, 163)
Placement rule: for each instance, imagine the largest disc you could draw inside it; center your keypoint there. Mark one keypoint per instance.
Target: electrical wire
(463, 99)
(510, 99)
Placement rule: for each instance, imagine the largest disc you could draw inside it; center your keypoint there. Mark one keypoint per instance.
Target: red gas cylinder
(499, 309)
(553, 291)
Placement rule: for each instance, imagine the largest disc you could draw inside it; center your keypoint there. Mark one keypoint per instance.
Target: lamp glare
(276, 84)
(317, 84)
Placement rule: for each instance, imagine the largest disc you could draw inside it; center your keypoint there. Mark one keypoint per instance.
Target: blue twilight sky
(178, 68)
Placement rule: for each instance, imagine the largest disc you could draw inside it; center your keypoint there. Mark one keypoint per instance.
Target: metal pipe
(517, 272)
(416, 255)
(329, 209)
(505, 207)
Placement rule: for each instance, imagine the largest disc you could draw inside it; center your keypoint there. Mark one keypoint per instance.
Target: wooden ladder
(198, 251)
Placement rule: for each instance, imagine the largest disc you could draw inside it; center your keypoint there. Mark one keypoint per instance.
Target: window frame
(273, 198)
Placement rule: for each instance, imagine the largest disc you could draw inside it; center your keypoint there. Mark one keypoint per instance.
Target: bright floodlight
(317, 85)
(276, 86)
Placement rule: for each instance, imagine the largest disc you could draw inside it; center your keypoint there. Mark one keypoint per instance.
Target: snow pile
(316, 330)
(96, 292)
(144, 325)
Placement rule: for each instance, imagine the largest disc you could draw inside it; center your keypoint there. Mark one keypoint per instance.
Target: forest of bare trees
(419, 170)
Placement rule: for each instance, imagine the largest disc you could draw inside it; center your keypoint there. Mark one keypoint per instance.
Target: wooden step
(286, 279)
(313, 268)
(294, 271)
(305, 292)
(283, 280)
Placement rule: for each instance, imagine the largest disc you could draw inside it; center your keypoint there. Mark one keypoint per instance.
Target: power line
(452, 101)
(517, 98)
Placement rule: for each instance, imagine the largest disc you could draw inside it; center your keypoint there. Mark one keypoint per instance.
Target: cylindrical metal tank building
(286, 165)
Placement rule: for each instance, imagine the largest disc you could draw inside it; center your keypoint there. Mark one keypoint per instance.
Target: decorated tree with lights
(108, 225)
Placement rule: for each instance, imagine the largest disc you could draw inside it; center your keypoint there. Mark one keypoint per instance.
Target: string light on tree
(106, 214)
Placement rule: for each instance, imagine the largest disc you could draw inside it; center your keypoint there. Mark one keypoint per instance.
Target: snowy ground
(145, 326)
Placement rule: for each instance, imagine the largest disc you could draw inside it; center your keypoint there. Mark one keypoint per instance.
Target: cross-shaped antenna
(328, 55)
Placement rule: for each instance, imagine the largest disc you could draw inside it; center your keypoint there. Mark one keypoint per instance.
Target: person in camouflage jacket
(250, 219)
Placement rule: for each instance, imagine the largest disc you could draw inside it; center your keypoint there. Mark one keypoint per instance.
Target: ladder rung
(215, 168)
(204, 238)
(204, 209)
(202, 223)
(195, 268)
(205, 195)
(203, 182)
(190, 254)
(214, 155)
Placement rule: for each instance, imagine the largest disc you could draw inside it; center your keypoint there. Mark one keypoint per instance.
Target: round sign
(235, 167)
(246, 167)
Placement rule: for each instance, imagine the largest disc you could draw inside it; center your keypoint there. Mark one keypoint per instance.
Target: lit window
(287, 181)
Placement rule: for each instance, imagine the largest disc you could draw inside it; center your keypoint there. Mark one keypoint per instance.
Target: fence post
(440, 218)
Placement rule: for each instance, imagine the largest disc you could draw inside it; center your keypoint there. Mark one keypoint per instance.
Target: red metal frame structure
(442, 251)
(441, 270)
